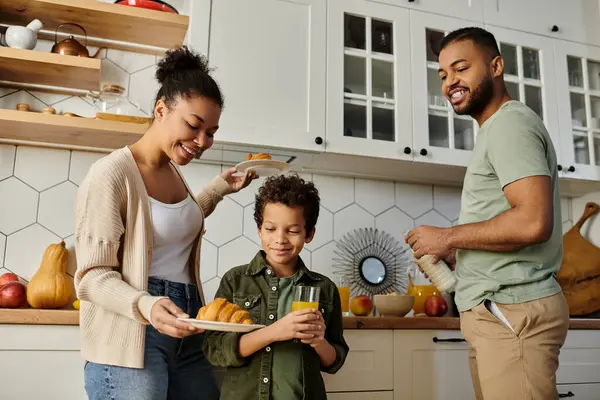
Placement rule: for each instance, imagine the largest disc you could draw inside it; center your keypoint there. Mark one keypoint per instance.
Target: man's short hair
(482, 38)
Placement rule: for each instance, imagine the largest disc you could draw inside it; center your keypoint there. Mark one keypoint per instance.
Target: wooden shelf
(100, 20)
(70, 131)
(30, 316)
(37, 67)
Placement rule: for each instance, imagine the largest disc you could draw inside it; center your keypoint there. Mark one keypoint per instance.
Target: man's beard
(479, 99)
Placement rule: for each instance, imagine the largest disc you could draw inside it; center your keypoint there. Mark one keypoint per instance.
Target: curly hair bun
(179, 60)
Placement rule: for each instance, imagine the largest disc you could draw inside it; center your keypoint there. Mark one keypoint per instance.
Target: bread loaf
(259, 156)
(223, 311)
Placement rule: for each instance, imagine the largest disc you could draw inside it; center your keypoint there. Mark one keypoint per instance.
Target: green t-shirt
(511, 145)
(287, 356)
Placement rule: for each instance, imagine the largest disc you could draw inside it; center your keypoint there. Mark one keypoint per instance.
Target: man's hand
(430, 240)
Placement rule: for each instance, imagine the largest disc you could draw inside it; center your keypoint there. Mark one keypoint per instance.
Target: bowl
(397, 305)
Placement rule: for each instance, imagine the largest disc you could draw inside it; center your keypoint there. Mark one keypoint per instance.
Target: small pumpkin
(50, 286)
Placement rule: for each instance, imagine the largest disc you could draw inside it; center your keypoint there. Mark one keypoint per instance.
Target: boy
(284, 360)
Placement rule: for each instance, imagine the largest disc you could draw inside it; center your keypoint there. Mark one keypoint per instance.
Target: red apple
(8, 277)
(361, 306)
(13, 295)
(436, 306)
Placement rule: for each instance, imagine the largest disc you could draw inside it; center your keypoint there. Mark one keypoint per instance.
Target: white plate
(263, 168)
(221, 326)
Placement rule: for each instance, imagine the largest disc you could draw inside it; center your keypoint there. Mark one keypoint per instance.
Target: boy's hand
(318, 334)
(295, 324)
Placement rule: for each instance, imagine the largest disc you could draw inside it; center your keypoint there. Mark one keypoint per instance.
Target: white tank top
(175, 228)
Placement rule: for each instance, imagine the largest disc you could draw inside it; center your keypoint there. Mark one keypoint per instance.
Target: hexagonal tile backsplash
(38, 187)
(37, 209)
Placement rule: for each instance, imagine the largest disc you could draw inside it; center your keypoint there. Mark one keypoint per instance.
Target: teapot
(23, 37)
(71, 47)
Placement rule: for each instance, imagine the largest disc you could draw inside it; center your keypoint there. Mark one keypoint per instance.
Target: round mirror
(372, 270)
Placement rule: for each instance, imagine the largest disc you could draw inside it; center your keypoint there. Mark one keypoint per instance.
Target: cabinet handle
(554, 28)
(407, 150)
(559, 167)
(568, 394)
(571, 169)
(423, 152)
(319, 140)
(451, 340)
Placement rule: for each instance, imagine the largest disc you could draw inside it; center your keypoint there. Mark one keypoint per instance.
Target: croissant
(221, 310)
(259, 156)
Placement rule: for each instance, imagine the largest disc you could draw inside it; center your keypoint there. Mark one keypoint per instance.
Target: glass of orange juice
(344, 291)
(306, 297)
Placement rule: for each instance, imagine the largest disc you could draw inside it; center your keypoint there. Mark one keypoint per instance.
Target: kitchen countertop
(71, 317)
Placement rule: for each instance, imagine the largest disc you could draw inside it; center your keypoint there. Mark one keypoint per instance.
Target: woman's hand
(164, 316)
(237, 183)
(295, 325)
(318, 334)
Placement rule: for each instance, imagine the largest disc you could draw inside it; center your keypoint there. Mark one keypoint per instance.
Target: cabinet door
(440, 135)
(269, 59)
(432, 365)
(529, 75)
(369, 364)
(575, 20)
(199, 28)
(578, 80)
(368, 79)
(464, 9)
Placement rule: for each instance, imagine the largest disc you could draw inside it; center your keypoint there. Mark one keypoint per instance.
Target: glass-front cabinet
(529, 75)
(440, 135)
(578, 77)
(368, 78)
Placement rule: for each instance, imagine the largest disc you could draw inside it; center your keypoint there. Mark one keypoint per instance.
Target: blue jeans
(173, 368)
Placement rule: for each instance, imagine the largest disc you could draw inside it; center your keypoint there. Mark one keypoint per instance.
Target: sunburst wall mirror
(373, 261)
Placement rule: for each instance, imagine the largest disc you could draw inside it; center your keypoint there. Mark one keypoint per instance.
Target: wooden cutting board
(579, 274)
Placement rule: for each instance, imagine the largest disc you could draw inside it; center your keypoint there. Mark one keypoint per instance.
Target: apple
(361, 306)
(8, 277)
(436, 306)
(13, 295)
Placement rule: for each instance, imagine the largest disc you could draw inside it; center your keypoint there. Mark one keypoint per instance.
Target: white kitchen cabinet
(369, 364)
(573, 20)
(586, 391)
(578, 80)
(431, 365)
(440, 135)
(269, 58)
(198, 30)
(41, 362)
(529, 74)
(464, 9)
(368, 79)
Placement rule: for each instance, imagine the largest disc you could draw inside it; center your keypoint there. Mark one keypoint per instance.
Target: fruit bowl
(393, 305)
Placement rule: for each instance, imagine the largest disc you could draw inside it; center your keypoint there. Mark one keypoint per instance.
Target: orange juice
(421, 292)
(345, 298)
(300, 305)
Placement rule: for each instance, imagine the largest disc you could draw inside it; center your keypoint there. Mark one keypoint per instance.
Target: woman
(138, 233)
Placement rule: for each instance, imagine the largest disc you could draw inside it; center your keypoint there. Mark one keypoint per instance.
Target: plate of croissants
(221, 315)
(262, 164)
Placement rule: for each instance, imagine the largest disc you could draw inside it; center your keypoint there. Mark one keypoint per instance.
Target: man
(508, 245)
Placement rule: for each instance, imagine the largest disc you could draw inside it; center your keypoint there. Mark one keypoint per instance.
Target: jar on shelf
(112, 99)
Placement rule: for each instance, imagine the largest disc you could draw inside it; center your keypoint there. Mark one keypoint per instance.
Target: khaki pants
(519, 365)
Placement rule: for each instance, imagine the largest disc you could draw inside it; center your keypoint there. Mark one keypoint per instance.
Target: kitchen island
(418, 358)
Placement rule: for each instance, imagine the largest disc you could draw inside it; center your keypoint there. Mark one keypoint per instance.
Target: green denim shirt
(254, 288)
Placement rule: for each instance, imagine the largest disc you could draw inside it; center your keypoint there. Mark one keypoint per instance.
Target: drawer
(580, 391)
(579, 359)
(369, 365)
(361, 396)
